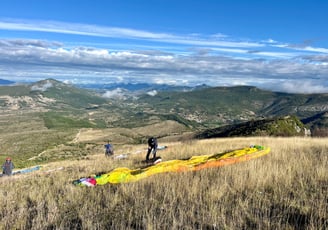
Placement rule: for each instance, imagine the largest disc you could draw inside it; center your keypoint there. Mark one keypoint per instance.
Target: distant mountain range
(139, 87)
(6, 82)
(198, 108)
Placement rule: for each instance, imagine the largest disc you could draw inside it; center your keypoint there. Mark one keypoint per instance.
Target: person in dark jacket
(152, 147)
(109, 149)
(7, 167)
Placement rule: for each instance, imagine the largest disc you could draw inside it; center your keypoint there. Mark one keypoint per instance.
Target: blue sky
(280, 45)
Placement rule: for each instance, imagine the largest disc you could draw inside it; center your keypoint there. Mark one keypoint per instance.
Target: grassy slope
(286, 189)
(282, 126)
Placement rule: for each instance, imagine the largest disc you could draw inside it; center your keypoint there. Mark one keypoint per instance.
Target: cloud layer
(92, 53)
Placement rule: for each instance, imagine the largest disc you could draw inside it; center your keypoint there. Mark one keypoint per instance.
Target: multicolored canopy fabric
(195, 163)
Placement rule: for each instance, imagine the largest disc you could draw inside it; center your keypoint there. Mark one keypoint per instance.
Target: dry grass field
(286, 189)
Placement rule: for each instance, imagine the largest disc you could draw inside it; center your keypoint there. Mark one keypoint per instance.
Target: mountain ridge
(201, 108)
(6, 82)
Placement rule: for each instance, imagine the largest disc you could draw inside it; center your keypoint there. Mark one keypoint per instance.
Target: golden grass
(286, 189)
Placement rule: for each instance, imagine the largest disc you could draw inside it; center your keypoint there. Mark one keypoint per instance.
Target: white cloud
(152, 93)
(115, 94)
(114, 32)
(270, 41)
(85, 65)
(157, 58)
(316, 49)
(304, 87)
(303, 48)
(43, 87)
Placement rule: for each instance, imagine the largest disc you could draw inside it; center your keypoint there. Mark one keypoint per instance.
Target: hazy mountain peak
(6, 82)
(42, 86)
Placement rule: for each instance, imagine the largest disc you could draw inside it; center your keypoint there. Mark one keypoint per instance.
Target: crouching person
(7, 167)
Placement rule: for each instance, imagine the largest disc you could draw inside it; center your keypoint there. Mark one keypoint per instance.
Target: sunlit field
(286, 189)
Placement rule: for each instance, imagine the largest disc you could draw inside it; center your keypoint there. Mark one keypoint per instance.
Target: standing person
(152, 146)
(109, 149)
(7, 167)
